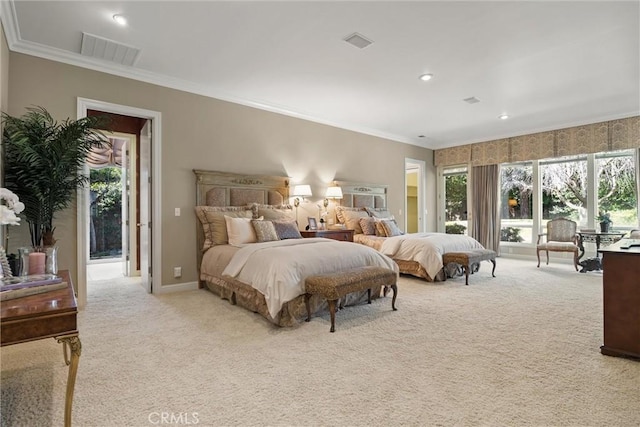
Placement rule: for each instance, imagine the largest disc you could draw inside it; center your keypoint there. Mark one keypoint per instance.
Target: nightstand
(342, 235)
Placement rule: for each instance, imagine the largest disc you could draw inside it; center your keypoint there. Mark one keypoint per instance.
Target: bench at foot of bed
(469, 259)
(334, 286)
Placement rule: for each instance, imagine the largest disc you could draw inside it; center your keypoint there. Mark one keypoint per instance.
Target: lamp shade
(302, 191)
(333, 192)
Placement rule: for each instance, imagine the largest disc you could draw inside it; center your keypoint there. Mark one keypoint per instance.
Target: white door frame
(422, 185)
(84, 104)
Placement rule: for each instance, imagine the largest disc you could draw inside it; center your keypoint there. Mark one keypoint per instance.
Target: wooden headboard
(215, 188)
(358, 195)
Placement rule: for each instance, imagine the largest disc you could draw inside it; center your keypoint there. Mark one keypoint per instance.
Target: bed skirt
(292, 312)
(415, 269)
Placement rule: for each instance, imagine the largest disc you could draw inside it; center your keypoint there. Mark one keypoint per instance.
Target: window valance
(600, 137)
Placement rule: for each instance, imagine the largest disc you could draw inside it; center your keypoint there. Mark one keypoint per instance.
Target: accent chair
(635, 234)
(561, 236)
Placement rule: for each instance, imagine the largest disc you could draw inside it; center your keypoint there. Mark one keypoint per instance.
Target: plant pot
(604, 227)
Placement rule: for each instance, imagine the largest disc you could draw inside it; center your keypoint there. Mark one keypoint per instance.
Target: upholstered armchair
(635, 234)
(561, 236)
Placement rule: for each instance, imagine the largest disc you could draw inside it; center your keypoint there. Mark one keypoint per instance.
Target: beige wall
(205, 133)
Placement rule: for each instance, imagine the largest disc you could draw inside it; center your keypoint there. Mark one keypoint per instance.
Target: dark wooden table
(621, 300)
(51, 314)
(343, 235)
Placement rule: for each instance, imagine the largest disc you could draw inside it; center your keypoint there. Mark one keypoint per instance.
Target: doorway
(414, 206)
(147, 206)
(112, 204)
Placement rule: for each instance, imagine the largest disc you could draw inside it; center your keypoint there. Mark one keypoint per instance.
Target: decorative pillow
(391, 228)
(352, 220)
(213, 224)
(368, 226)
(379, 212)
(286, 229)
(379, 228)
(265, 230)
(274, 212)
(239, 230)
(340, 212)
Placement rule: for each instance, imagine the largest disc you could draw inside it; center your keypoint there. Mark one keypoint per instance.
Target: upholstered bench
(468, 259)
(334, 286)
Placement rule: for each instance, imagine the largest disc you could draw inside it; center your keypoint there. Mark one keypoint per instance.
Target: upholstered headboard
(357, 195)
(232, 189)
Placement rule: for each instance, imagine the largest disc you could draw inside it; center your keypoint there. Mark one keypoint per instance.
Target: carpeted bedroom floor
(521, 349)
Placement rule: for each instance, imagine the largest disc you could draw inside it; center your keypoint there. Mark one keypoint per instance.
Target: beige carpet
(521, 349)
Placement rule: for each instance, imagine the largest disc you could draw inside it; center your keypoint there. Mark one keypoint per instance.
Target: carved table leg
(73, 342)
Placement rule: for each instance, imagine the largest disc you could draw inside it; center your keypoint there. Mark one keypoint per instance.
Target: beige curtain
(486, 204)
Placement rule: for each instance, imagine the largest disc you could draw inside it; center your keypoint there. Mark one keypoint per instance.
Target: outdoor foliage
(510, 234)
(455, 229)
(456, 200)
(106, 212)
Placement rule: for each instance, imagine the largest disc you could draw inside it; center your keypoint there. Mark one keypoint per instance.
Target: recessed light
(503, 116)
(120, 19)
(426, 77)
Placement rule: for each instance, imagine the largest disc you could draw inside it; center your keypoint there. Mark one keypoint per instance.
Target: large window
(617, 192)
(564, 189)
(581, 188)
(516, 184)
(455, 183)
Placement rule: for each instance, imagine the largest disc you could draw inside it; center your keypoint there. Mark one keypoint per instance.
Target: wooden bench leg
(332, 311)
(395, 294)
(369, 296)
(493, 261)
(307, 297)
(466, 274)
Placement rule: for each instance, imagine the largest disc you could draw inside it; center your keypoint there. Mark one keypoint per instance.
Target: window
(616, 183)
(516, 196)
(455, 183)
(564, 189)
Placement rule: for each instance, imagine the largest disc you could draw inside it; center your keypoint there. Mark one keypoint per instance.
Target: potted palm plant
(43, 158)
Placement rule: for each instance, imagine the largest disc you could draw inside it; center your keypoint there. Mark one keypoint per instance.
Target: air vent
(472, 100)
(108, 50)
(358, 40)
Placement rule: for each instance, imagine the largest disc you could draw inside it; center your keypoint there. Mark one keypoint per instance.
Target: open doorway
(146, 259)
(112, 205)
(415, 212)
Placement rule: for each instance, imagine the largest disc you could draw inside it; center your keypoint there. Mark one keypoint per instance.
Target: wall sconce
(334, 192)
(301, 191)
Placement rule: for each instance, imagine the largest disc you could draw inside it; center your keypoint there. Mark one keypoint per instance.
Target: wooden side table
(341, 235)
(47, 315)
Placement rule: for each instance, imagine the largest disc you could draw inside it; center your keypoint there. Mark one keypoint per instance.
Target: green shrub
(510, 234)
(455, 229)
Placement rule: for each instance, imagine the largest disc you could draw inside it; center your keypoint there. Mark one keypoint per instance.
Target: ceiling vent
(472, 100)
(108, 50)
(358, 40)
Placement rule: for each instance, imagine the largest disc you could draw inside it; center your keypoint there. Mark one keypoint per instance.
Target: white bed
(418, 254)
(267, 277)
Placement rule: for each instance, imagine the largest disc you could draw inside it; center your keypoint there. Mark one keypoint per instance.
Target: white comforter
(427, 248)
(278, 269)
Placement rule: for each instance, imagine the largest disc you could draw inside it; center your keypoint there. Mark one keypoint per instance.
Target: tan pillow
(380, 231)
(274, 212)
(368, 226)
(340, 212)
(352, 220)
(265, 230)
(214, 225)
(379, 212)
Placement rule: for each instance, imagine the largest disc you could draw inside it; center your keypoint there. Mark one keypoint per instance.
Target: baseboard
(177, 287)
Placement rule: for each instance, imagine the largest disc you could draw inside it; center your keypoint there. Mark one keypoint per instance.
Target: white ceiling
(547, 64)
